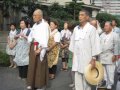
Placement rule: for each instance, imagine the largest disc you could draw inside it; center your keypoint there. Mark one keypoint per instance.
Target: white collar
(39, 22)
(11, 31)
(54, 31)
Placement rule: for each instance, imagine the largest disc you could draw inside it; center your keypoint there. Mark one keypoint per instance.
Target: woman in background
(53, 49)
(65, 38)
(11, 43)
(22, 53)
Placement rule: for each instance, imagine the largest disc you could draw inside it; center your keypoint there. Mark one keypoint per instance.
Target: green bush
(103, 17)
(4, 59)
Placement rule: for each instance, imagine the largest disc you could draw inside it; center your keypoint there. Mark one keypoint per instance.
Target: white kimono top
(66, 33)
(110, 47)
(40, 33)
(57, 35)
(84, 44)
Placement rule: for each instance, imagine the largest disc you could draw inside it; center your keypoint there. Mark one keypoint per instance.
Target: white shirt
(12, 34)
(40, 33)
(83, 44)
(56, 35)
(110, 47)
(66, 33)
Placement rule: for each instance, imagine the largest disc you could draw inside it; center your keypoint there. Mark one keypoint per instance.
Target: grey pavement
(9, 80)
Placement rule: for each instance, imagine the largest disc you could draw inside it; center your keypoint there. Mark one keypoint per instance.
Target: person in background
(84, 47)
(115, 28)
(11, 44)
(65, 39)
(109, 54)
(22, 50)
(96, 24)
(72, 84)
(53, 49)
(38, 66)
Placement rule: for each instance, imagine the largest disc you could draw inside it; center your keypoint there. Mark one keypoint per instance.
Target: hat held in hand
(96, 75)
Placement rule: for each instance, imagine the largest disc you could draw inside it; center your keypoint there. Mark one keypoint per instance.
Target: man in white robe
(110, 52)
(38, 67)
(83, 44)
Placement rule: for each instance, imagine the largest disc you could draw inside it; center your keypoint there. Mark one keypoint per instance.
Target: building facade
(109, 6)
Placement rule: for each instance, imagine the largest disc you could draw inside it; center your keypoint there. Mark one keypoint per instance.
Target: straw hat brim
(94, 76)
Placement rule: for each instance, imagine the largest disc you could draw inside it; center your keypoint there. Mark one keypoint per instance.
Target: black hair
(26, 22)
(114, 20)
(14, 24)
(47, 18)
(109, 22)
(55, 22)
(86, 12)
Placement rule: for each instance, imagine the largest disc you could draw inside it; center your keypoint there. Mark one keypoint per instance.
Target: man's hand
(92, 62)
(48, 49)
(114, 58)
(37, 51)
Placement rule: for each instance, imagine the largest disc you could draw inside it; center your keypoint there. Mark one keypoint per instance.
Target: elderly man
(38, 67)
(96, 24)
(110, 51)
(84, 47)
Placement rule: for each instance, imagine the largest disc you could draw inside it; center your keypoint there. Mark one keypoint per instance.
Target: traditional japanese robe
(84, 44)
(38, 67)
(110, 47)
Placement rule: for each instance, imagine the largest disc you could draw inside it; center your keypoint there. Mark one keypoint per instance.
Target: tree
(73, 8)
(103, 17)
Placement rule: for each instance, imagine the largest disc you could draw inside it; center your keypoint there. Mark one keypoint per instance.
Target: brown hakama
(37, 70)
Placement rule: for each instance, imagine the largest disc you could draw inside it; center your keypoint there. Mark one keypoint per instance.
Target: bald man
(96, 24)
(38, 67)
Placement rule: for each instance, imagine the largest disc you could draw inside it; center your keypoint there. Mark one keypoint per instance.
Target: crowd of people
(36, 51)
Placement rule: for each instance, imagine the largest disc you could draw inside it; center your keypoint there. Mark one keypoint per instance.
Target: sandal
(51, 78)
(64, 69)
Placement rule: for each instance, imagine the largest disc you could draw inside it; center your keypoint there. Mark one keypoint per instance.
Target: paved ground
(9, 80)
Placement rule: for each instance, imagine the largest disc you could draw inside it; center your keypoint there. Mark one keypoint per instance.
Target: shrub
(4, 59)
(103, 17)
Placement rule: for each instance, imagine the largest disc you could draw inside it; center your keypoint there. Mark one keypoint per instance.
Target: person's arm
(116, 47)
(95, 46)
(52, 46)
(72, 42)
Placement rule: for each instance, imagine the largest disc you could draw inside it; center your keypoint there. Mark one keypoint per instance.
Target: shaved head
(37, 15)
(94, 22)
(39, 12)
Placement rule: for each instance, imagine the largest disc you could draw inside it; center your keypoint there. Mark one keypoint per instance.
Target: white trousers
(109, 71)
(80, 82)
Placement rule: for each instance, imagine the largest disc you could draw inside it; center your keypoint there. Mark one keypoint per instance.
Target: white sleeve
(72, 42)
(57, 37)
(43, 42)
(61, 33)
(95, 42)
(116, 44)
(30, 36)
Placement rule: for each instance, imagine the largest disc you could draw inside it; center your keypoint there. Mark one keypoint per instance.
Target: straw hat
(94, 76)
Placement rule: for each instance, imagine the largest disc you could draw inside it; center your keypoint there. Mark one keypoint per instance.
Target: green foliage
(16, 5)
(4, 59)
(103, 17)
